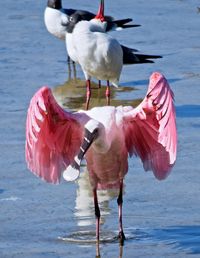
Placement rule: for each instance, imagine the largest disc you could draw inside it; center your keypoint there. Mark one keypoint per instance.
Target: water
(161, 219)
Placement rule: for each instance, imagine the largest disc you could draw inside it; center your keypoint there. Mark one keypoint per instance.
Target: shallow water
(161, 219)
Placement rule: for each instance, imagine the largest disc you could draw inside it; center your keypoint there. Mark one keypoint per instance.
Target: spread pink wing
(53, 137)
(150, 128)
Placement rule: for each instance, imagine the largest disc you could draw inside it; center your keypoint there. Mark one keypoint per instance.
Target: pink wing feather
(53, 137)
(150, 129)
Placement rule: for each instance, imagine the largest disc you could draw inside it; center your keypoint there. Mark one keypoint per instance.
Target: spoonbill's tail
(91, 133)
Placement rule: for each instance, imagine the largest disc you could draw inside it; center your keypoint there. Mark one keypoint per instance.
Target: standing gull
(54, 14)
(100, 55)
(55, 17)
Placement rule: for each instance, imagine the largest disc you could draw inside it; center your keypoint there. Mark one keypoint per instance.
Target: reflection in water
(84, 212)
(98, 255)
(85, 205)
(89, 237)
(72, 95)
(71, 69)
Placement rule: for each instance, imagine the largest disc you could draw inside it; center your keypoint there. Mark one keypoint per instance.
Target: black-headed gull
(99, 54)
(54, 15)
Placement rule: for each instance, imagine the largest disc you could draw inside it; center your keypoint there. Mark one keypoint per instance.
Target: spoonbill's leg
(120, 202)
(88, 94)
(108, 93)
(97, 213)
(99, 84)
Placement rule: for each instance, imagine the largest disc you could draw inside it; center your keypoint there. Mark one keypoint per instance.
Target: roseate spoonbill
(100, 55)
(57, 140)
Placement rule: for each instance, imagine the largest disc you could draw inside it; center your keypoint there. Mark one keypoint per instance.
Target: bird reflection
(85, 204)
(71, 69)
(98, 255)
(120, 251)
(71, 95)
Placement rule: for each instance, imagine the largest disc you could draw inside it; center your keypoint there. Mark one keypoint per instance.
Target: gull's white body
(99, 54)
(71, 50)
(53, 22)
(53, 19)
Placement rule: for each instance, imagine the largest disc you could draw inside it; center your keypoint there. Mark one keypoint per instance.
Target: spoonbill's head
(104, 123)
(92, 128)
(55, 4)
(96, 133)
(90, 135)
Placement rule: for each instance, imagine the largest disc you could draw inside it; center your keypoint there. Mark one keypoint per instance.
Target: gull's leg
(120, 202)
(88, 94)
(108, 93)
(97, 213)
(99, 84)
(69, 68)
(74, 69)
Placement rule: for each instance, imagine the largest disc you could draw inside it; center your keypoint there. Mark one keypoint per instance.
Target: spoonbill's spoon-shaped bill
(71, 174)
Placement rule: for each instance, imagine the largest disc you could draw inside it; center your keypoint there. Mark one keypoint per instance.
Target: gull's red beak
(100, 14)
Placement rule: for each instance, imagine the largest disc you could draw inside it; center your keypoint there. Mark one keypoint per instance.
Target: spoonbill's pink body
(57, 140)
